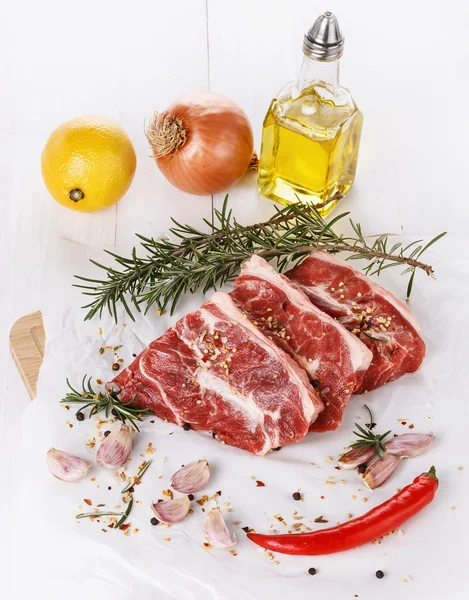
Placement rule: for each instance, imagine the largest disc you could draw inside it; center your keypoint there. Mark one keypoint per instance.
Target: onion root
(165, 134)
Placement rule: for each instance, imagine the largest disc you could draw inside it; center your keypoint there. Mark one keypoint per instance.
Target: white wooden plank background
(406, 64)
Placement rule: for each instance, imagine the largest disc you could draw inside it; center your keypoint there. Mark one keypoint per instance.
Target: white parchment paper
(61, 557)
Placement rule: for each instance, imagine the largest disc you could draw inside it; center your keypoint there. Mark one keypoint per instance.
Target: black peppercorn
(315, 383)
(186, 426)
(296, 496)
(246, 529)
(106, 433)
(109, 487)
(114, 412)
(191, 496)
(379, 574)
(80, 416)
(362, 468)
(154, 521)
(219, 493)
(277, 448)
(312, 571)
(131, 490)
(116, 366)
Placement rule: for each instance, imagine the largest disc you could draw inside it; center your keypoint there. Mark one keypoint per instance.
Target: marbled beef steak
(215, 371)
(335, 360)
(373, 314)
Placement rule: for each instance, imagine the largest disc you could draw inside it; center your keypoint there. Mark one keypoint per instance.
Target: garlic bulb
(216, 532)
(171, 511)
(65, 466)
(116, 448)
(191, 478)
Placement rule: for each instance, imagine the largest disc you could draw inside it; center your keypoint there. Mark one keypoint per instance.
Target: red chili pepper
(374, 524)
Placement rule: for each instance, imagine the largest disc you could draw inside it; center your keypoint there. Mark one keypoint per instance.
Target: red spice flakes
(207, 546)
(125, 526)
(99, 381)
(87, 501)
(260, 483)
(337, 468)
(66, 406)
(100, 505)
(93, 479)
(411, 426)
(105, 530)
(322, 497)
(403, 422)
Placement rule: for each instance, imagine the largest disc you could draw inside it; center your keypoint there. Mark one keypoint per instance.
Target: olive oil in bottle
(311, 133)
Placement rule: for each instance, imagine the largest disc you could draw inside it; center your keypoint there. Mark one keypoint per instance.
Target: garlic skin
(356, 457)
(380, 471)
(409, 445)
(216, 533)
(65, 466)
(171, 511)
(116, 448)
(191, 478)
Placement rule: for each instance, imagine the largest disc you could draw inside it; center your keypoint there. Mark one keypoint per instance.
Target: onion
(202, 143)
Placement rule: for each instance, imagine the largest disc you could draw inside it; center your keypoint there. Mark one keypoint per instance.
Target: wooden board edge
(27, 341)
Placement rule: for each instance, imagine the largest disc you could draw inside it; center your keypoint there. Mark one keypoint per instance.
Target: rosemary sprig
(366, 437)
(123, 519)
(200, 260)
(90, 515)
(140, 474)
(107, 402)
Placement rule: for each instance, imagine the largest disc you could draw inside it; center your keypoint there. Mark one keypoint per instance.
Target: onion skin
(218, 147)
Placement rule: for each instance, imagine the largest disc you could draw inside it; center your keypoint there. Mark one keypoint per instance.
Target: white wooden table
(405, 62)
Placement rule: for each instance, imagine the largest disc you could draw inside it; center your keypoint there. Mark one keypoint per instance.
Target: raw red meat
(335, 360)
(216, 372)
(373, 314)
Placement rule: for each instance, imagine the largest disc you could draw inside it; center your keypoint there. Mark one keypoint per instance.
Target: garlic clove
(216, 532)
(409, 445)
(171, 511)
(191, 478)
(380, 471)
(65, 466)
(116, 448)
(356, 457)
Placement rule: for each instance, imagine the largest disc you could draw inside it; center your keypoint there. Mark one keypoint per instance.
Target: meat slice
(216, 372)
(335, 360)
(373, 314)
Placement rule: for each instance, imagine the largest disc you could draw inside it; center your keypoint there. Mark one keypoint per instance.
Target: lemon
(88, 163)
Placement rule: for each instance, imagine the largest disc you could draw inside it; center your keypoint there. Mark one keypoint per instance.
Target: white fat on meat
(244, 404)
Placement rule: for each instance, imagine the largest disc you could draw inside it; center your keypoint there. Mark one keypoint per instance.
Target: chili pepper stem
(432, 473)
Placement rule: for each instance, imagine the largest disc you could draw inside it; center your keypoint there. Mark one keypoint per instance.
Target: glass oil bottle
(311, 133)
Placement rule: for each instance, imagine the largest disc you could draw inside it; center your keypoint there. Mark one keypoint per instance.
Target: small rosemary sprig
(366, 437)
(200, 260)
(143, 469)
(107, 402)
(123, 515)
